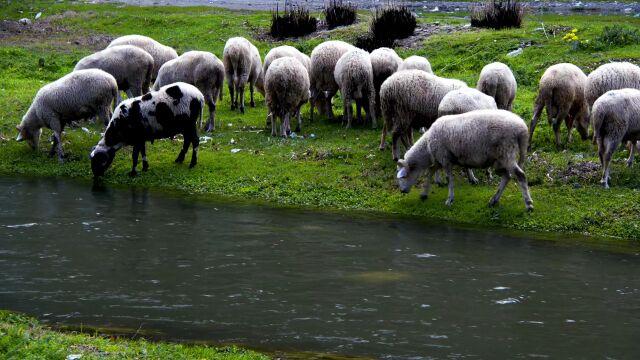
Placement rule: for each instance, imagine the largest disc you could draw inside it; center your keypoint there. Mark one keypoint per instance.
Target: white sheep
(173, 109)
(611, 76)
(242, 65)
(473, 140)
(497, 81)
(160, 53)
(354, 75)
(286, 90)
(201, 69)
(77, 95)
(562, 92)
(616, 118)
(131, 66)
(324, 58)
(409, 100)
(415, 62)
(384, 62)
(464, 100)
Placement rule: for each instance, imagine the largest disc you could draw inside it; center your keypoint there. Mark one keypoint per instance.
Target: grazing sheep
(415, 62)
(475, 140)
(384, 62)
(324, 58)
(464, 100)
(409, 100)
(562, 92)
(242, 65)
(611, 76)
(131, 66)
(354, 76)
(174, 109)
(201, 69)
(497, 81)
(286, 90)
(615, 117)
(77, 95)
(160, 53)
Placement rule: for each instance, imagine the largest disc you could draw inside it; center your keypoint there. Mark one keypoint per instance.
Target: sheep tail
(597, 120)
(523, 144)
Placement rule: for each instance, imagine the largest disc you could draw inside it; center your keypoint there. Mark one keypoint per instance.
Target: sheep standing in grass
(174, 109)
(280, 52)
(354, 76)
(201, 69)
(131, 66)
(384, 62)
(324, 58)
(160, 53)
(410, 100)
(616, 118)
(473, 140)
(611, 76)
(562, 92)
(80, 94)
(415, 62)
(497, 81)
(286, 90)
(242, 65)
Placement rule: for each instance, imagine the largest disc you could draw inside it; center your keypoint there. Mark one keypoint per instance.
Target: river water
(309, 281)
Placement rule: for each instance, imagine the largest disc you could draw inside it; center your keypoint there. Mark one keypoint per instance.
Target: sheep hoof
(424, 197)
(297, 130)
(133, 173)
(192, 164)
(449, 202)
(474, 181)
(253, 104)
(529, 207)
(145, 166)
(242, 109)
(180, 159)
(493, 202)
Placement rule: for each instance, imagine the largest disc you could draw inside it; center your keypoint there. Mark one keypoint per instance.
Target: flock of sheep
(472, 128)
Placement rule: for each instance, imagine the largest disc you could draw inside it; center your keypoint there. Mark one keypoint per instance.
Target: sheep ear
(402, 173)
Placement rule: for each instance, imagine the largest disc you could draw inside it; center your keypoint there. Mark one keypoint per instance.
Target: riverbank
(327, 166)
(22, 337)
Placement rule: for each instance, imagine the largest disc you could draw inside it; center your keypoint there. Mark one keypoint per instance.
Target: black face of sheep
(101, 159)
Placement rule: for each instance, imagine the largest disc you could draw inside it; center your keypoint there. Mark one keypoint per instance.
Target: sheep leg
(570, 123)
(395, 144)
(426, 186)
(383, 136)
(57, 139)
(371, 113)
(473, 180)
(632, 149)
(537, 111)
(233, 99)
(521, 178)
(240, 94)
(253, 103)
(348, 111)
(359, 109)
(285, 128)
(269, 119)
(439, 181)
(274, 127)
(327, 101)
(211, 123)
(299, 115)
(605, 158)
(503, 183)
(145, 161)
(448, 170)
(562, 115)
(185, 148)
(195, 141)
(556, 132)
(134, 163)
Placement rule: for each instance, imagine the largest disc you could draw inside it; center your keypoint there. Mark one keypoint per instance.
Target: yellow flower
(574, 30)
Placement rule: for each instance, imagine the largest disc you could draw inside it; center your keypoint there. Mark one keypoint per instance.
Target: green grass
(22, 337)
(339, 168)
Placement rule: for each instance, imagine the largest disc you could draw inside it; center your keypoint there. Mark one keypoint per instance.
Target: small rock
(232, 141)
(312, 136)
(38, 15)
(24, 21)
(233, 151)
(74, 356)
(515, 52)
(86, 130)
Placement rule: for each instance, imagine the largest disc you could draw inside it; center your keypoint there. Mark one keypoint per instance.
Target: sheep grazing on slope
(286, 90)
(174, 109)
(464, 100)
(242, 65)
(562, 92)
(415, 62)
(160, 53)
(474, 140)
(611, 76)
(201, 69)
(324, 58)
(615, 117)
(497, 81)
(354, 76)
(384, 62)
(409, 100)
(80, 94)
(131, 66)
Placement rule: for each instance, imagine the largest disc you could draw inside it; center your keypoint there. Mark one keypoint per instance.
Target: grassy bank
(22, 337)
(336, 168)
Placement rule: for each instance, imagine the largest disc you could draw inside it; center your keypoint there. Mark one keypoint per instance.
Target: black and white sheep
(77, 95)
(611, 76)
(324, 58)
(174, 109)
(475, 139)
(242, 65)
(497, 81)
(201, 69)
(384, 62)
(286, 90)
(354, 75)
(616, 118)
(410, 100)
(415, 62)
(131, 66)
(562, 92)
(160, 53)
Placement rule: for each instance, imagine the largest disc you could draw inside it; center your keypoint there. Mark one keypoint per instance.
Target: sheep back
(324, 58)
(160, 53)
(612, 76)
(286, 86)
(464, 100)
(616, 115)
(199, 68)
(497, 81)
(415, 62)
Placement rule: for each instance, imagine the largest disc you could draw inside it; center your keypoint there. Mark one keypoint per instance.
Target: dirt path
(442, 6)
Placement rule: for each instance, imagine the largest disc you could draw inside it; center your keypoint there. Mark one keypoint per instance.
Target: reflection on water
(305, 280)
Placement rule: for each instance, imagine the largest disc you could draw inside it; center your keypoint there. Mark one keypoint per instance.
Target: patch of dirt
(425, 31)
(583, 172)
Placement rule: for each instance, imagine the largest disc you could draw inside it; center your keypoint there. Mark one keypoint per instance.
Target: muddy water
(298, 280)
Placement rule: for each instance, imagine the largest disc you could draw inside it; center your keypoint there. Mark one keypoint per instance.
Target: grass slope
(337, 168)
